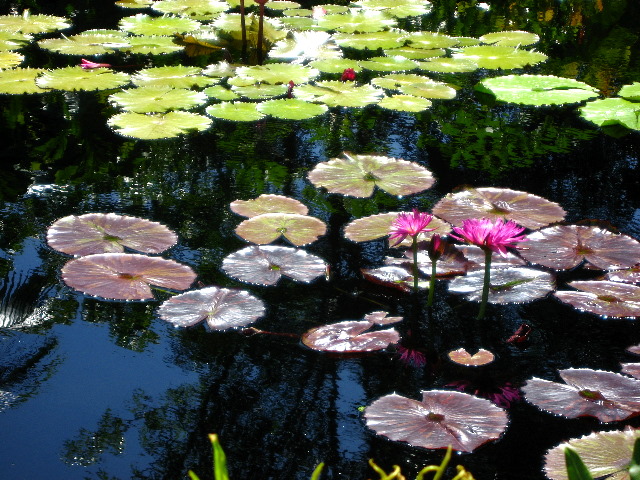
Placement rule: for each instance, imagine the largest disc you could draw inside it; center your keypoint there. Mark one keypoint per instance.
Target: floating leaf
(77, 78)
(134, 3)
(608, 396)
(526, 209)
(277, 73)
(381, 318)
(307, 45)
(220, 93)
(389, 276)
(415, 53)
(297, 229)
(612, 111)
(357, 21)
(512, 285)
(279, 5)
(441, 419)
(630, 275)
(10, 59)
(476, 257)
(512, 38)
(125, 276)
(565, 246)
(178, 76)
(415, 85)
(153, 45)
(85, 44)
(357, 175)
(339, 94)
(632, 369)
(220, 70)
(337, 65)
(378, 226)
(291, 109)
(462, 357)
(371, 41)
(630, 92)
(20, 80)
(349, 336)
(108, 233)
(430, 40)
(605, 454)
(609, 299)
(151, 127)
(28, 23)
(142, 24)
(451, 263)
(268, 203)
(449, 65)
(265, 265)
(494, 57)
(260, 91)
(235, 111)
(157, 99)
(220, 308)
(537, 89)
(13, 40)
(405, 103)
(198, 9)
(388, 64)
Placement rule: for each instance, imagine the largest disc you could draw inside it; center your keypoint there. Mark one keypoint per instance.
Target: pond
(109, 390)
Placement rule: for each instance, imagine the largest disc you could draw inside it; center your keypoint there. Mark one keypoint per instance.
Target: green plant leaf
(405, 103)
(153, 44)
(196, 9)
(10, 59)
(268, 227)
(152, 127)
(77, 78)
(512, 38)
(20, 80)
(260, 91)
(85, 44)
(340, 94)
(634, 466)
(494, 57)
(388, 64)
(27, 23)
(291, 109)
(220, 93)
(576, 469)
(415, 53)
(178, 76)
(219, 459)
(157, 99)
(371, 41)
(311, 45)
(318, 471)
(277, 73)
(449, 65)
(13, 40)
(337, 65)
(630, 92)
(430, 40)
(235, 111)
(142, 24)
(364, 21)
(613, 111)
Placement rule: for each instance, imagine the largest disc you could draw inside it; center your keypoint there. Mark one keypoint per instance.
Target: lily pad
(28, 23)
(381, 318)
(265, 265)
(388, 64)
(415, 53)
(526, 209)
(363, 21)
(157, 99)
(608, 396)
(513, 38)
(389, 276)
(608, 299)
(494, 57)
(377, 226)
(77, 78)
(278, 73)
(632, 369)
(13, 40)
(613, 111)
(20, 80)
(260, 91)
(449, 65)
(155, 126)
(306, 45)
(430, 40)
(268, 227)
(441, 419)
(405, 103)
(451, 263)
(10, 59)
(475, 258)
(125, 276)
(142, 24)
(291, 109)
(371, 41)
(235, 111)
(350, 336)
(537, 89)
(357, 175)
(629, 275)
(630, 92)
(268, 203)
(152, 44)
(108, 233)
(219, 308)
(220, 92)
(85, 44)
(337, 65)
(339, 94)
(178, 76)
(197, 9)
(462, 357)
(566, 246)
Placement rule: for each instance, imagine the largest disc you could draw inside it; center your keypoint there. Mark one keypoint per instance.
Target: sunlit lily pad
(630, 92)
(291, 109)
(441, 419)
(635, 349)
(265, 265)
(381, 318)
(629, 275)
(415, 53)
(378, 226)
(157, 99)
(154, 126)
(389, 276)
(108, 233)
(198, 9)
(371, 41)
(85, 44)
(297, 229)
(20, 80)
(494, 57)
(219, 308)
(10, 59)
(349, 336)
(397, 8)
(77, 78)
(28, 23)
(605, 454)
(125, 276)
(13, 40)
(525, 209)
(608, 299)
(278, 73)
(430, 40)
(513, 38)
(296, 23)
(178, 76)
(220, 70)
(268, 203)
(235, 111)
(337, 65)
(221, 93)
(280, 5)
(416, 85)
(462, 357)
(152, 44)
(537, 89)
(511, 285)
(260, 91)
(142, 24)
(357, 175)
(449, 65)
(307, 45)
(134, 3)
(632, 369)
(566, 246)
(339, 94)
(612, 111)
(608, 396)
(363, 21)
(405, 103)
(388, 64)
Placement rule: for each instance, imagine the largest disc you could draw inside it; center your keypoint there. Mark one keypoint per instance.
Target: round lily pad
(378, 226)
(297, 229)
(178, 76)
(306, 45)
(29, 23)
(85, 44)
(513, 38)
(449, 65)
(10, 59)
(415, 53)
(608, 299)
(430, 40)
(371, 41)
(388, 64)
(235, 111)
(277, 73)
(268, 203)
(390, 276)
(259, 91)
(157, 99)
(291, 109)
(142, 24)
(349, 336)
(20, 80)
(462, 357)
(630, 92)
(335, 65)
(198, 9)
(494, 57)
(339, 94)
(357, 21)
(77, 78)
(613, 111)
(405, 103)
(155, 126)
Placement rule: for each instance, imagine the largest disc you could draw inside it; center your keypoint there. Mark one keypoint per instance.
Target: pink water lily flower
(496, 237)
(349, 75)
(409, 225)
(88, 64)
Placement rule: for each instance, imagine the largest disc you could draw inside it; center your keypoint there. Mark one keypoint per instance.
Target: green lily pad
(142, 24)
(339, 94)
(394, 82)
(84, 44)
(27, 23)
(388, 64)
(397, 8)
(277, 73)
(630, 92)
(494, 57)
(449, 65)
(152, 127)
(513, 38)
(415, 53)
(196, 9)
(260, 91)
(134, 3)
(613, 111)
(13, 40)
(371, 41)
(268, 227)
(279, 5)
(10, 59)
(77, 78)
(431, 89)
(268, 203)
(378, 226)
(235, 111)
(20, 80)
(291, 109)
(357, 175)
(300, 23)
(297, 12)
(157, 99)
(178, 76)
(220, 70)
(153, 44)
(357, 22)
(337, 65)
(405, 103)
(430, 40)
(220, 93)
(230, 23)
(311, 45)
(537, 89)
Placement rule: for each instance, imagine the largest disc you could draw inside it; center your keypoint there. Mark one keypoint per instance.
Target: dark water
(106, 390)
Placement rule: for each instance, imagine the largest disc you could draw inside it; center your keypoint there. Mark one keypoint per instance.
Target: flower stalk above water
(435, 248)
(490, 237)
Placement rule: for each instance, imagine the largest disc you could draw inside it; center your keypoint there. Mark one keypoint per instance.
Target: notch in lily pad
(268, 203)
(268, 227)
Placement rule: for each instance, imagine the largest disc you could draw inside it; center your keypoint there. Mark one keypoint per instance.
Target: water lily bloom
(88, 64)
(412, 357)
(349, 75)
(496, 237)
(409, 225)
(501, 395)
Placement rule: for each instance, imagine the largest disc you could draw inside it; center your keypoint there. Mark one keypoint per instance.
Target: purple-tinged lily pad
(475, 257)
(378, 226)
(222, 308)
(608, 396)
(632, 369)
(462, 357)
(441, 419)
(565, 246)
(630, 275)
(108, 233)
(297, 229)
(264, 265)
(125, 276)
(381, 318)
(268, 203)
(357, 175)
(635, 349)
(350, 336)
(390, 276)
(605, 454)
(510, 285)
(524, 208)
(609, 299)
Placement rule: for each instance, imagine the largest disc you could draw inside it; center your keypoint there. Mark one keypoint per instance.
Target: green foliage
(576, 469)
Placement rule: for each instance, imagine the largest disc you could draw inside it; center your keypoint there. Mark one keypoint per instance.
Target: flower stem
(432, 283)
(414, 246)
(485, 287)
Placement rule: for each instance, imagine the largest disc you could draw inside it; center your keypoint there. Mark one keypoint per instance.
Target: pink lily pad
(221, 308)
(389, 276)
(108, 233)
(377, 226)
(125, 276)
(357, 175)
(462, 357)
(630, 275)
(268, 227)
(605, 298)
(608, 396)
(349, 336)
(524, 208)
(267, 203)
(381, 318)
(441, 419)
(632, 369)
(265, 265)
(565, 246)
(635, 349)
(605, 454)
